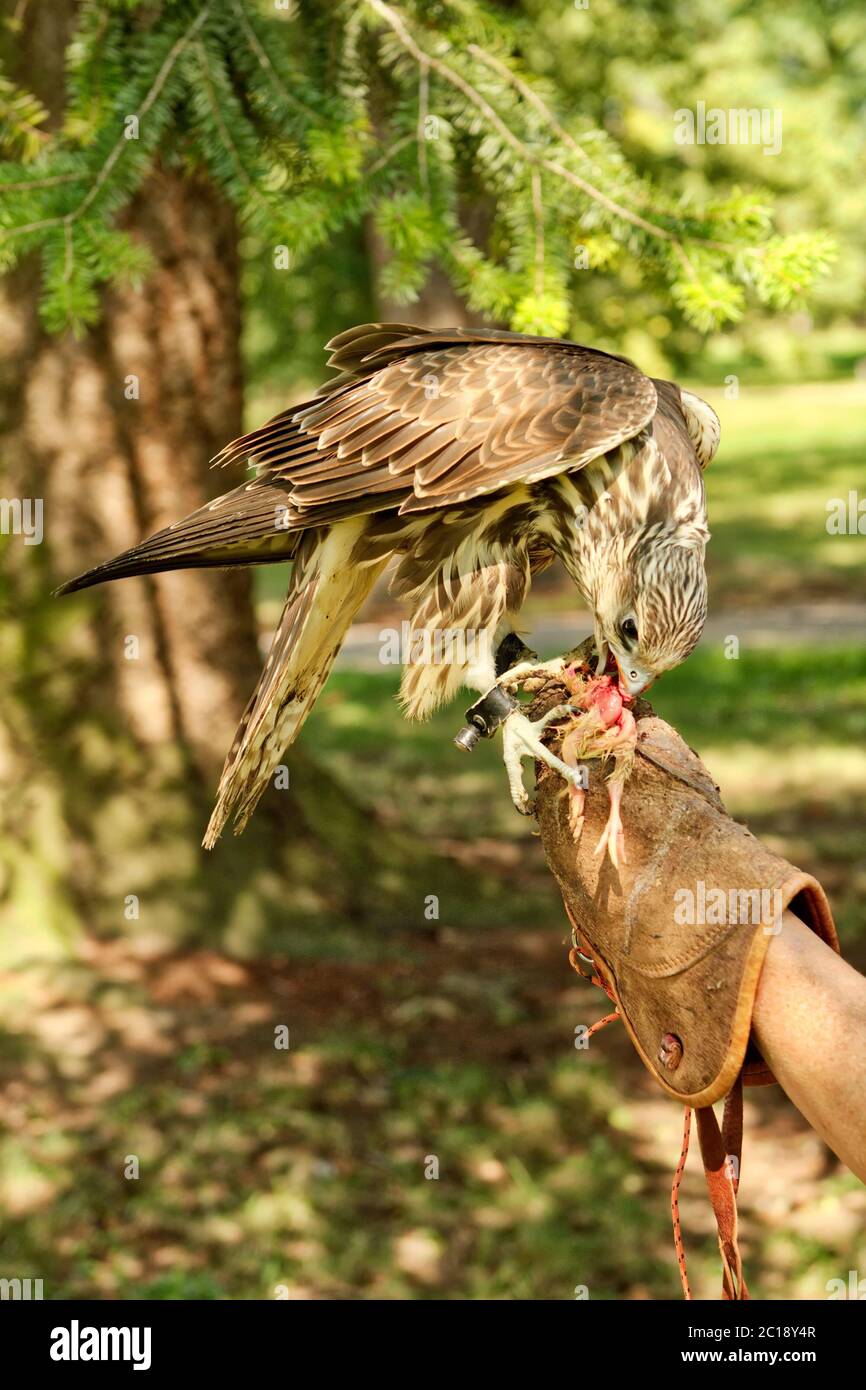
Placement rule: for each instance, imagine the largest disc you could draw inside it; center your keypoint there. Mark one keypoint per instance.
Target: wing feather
(428, 418)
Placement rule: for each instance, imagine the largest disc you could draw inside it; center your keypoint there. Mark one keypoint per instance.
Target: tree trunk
(119, 429)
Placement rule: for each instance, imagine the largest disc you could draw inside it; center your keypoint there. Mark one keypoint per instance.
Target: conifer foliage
(312, 114)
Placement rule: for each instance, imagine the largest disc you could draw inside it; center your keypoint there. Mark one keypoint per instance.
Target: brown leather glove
(678, 934)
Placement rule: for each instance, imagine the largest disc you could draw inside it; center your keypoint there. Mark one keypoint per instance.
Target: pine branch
(534, 100)
(423, 109)
(221, 85)
(528, 155)
(267, 66)
(222, 129)
(37, 184)
(538, 210)
(21, 116)
(121, 145)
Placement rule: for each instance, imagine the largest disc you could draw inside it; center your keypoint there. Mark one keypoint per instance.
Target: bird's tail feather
(326, 592)
(243, 527)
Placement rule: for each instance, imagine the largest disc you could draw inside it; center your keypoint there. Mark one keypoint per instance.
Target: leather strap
(675, 1204)
(721, 1150)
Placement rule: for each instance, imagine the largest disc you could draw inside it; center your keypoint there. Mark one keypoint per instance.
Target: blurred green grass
(782, 702)
(785, 452)
(431, 1133)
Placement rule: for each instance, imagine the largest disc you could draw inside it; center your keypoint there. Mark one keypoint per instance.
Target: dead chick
(604, 729)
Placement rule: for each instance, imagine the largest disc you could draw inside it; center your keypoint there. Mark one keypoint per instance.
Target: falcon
(472, 459)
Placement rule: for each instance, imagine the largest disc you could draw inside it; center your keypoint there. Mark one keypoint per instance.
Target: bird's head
(650, 604)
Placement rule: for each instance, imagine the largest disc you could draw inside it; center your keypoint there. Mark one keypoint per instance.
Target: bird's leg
(521, 738)
(531, 674)
(571, 750)
(618, 742)
(612, 837)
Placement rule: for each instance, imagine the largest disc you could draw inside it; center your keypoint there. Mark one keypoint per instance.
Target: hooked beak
(633, 680)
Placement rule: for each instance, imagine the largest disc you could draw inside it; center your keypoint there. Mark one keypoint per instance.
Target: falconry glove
(677, 935)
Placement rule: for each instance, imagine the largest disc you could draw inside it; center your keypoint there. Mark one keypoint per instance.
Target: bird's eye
(629, 630)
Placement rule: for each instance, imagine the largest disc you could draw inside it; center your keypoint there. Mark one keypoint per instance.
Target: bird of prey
(473, 458)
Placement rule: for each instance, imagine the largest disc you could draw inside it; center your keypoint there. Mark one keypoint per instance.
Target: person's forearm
(810, 1023)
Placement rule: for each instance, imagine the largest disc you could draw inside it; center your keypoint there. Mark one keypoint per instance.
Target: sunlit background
(392, 911)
